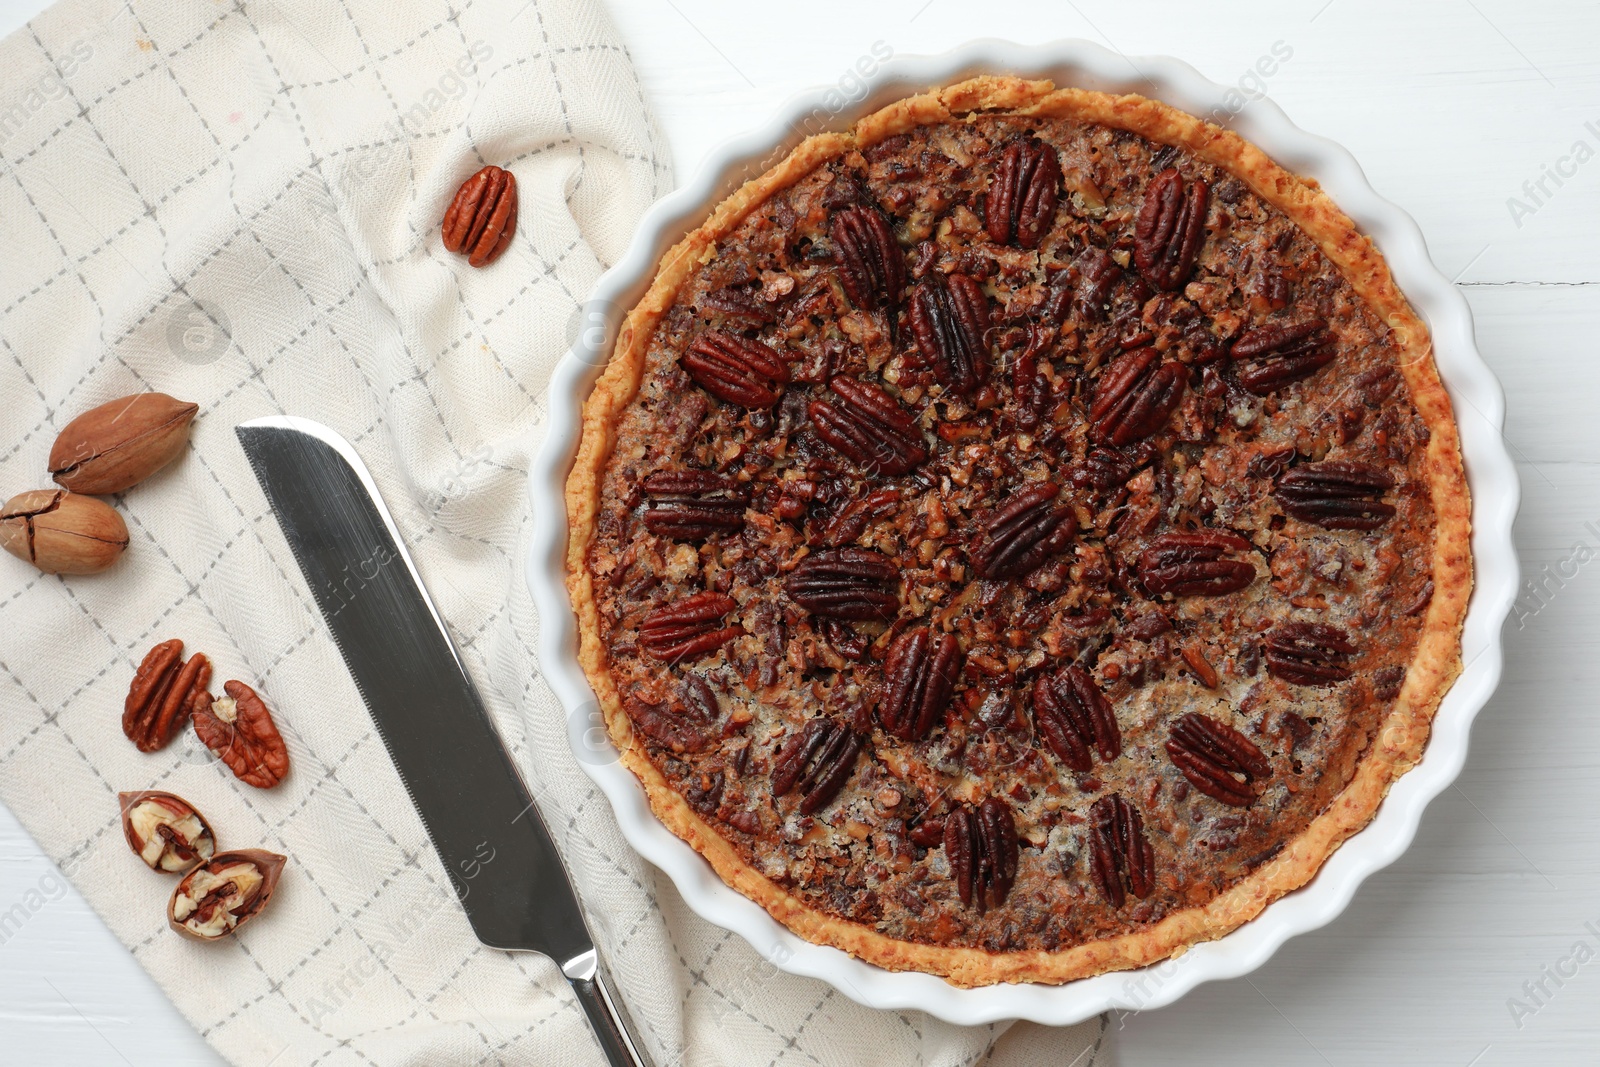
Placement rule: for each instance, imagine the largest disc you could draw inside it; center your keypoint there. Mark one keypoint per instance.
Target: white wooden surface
(1451, 107)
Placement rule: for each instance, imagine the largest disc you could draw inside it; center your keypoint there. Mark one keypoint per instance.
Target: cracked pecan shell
(871, 266)
(817, 761)
(867, 425)
(692, 505)
(688, 628)
(1309, 653)
(1195, 564)
(736, 369)
(845, 583)
(1217, 759)
(1135, 397)
(980, 844)
(949, 319)
(1029, 529)
(1120, 857)
(1276, 354)
(1170, 229)
(1336, 495)
(1022, 198)
(919, 676)
(1073, 716)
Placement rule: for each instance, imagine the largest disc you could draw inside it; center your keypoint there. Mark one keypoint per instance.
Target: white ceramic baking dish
(1479, 405)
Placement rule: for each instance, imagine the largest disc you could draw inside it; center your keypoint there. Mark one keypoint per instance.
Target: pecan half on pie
(1021, 536)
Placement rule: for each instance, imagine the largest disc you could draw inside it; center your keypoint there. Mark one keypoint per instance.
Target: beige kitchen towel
(238, 203)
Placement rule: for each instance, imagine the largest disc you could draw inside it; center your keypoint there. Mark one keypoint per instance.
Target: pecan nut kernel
(950, 321)
(692, 505)
(121, 443)
(1336, 495)
(1195, 564)
(1217, 759)
(224, 893)
(846, 583)
(1170, 229)
(690, 723)
(1120, 856)
(61, 532)
(1276, 354)
(980, 844)
(163, 694)
(1073, 716)
(1135, 397)
(865, 424)
(1023, 193)
(818, 761)
(736, 369)
(871, 267)
(1309, 653)
(238, 729)
(482, 218)
(689, 627)
(1026, 531)
(920, 675)
(165, 831)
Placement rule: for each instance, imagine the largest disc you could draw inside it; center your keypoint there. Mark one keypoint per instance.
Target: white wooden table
(1466, 951)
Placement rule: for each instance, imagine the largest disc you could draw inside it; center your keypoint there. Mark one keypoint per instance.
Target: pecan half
(1211, 754)
(1309, 653)
(1170, 229)
(689, 627)
(871, 266)
(736, 369)
(1104, 469)
(920, 675)
(163, 691)
(687, 724)
(845, 583)
(239, 730)
(980, 844)
(1336, 495)
(165, 831)
(818, 761)
(1135, 396)
(867, 425)
(1023, 193)
(691, 505)
(1095, 274)
(483, 216)
(220, 895)
(1277, 354)
(1071, 714)
(1028, 530)
(1194, 564)
(1120, 856)
(949, 319)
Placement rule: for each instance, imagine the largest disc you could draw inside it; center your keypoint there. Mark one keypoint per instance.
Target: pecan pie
(1021, 536)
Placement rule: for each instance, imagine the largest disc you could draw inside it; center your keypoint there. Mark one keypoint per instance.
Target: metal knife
(477, 810)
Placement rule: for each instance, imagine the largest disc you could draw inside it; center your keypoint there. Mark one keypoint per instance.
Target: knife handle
(608, 1017)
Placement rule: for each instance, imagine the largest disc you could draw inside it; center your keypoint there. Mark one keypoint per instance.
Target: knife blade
(476, 808)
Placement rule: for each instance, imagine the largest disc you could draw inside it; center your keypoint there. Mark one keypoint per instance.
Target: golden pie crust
(1402, 733)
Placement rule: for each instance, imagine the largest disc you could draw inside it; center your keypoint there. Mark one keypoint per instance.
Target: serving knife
(477, 810)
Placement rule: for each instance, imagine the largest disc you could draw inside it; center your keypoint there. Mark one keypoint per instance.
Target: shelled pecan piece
(845, 583)
(238, 729)
(1309, 653)
(1337, 495)
(1170, 229)
(691, 505)
(1120, 856)
(1023, 193)
(865, 424)
(980, 844)
(688, 723)
(1195, 564)
(919, 675)
(1019, 536)
(871, 266)
(1135, 396)
(1072, 715)
(1094, 274)
(950, 320)
(818, 760)
(736, 369)
(163, 693)
(483, 216)
(1276, 354)
(1106, 468)
(1217, 759)
(689, 627)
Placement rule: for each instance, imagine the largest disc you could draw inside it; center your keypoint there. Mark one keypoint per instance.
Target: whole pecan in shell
(1023, 193)
(871, 266)
(121, 443)
(689, 627)
(1029, 529)
(920, 675)
(1170, 229)
(1120, 856)
(845, 583)
(691, 505)
(1211, 753)
(1135, 397)
(818, 760)
(163, 693)
(1336, 495)
(867, 425)
(1277, 354)
(949, 319)
(980, 844)
(1194, 564)
(239, 731)
(483, 216)
(165, 831)
(1309, 653)
(1072, 715)
(736, 369)
(222, 894)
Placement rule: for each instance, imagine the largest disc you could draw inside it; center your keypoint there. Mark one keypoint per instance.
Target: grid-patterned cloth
(238, 204)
